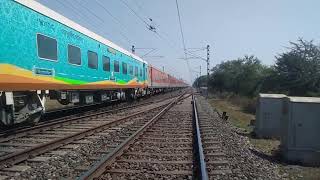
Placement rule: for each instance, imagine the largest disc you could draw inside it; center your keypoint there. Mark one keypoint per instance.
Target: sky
(232, 28)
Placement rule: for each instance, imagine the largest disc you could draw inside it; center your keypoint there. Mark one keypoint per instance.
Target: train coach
(45, 55)
(160, 81)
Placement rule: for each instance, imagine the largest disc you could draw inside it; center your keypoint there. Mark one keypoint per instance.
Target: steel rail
(99, 168)
(56, 122)
(20, 156)
(54, 111)
(23, 127)
(200, 170)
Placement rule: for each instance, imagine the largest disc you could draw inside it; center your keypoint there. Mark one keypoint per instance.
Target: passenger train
(45, 55)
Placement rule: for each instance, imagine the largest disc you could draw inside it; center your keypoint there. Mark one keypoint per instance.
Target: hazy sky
(233, 28)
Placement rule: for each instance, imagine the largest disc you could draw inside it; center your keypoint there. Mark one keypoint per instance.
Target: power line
(179, 17)
(116, 20)
(195, 56)
(81, 16)
(156, 31)
(94, 14)
(110, 14)
(73, 9)
(183, 41)
(135, 13)
(162, 35)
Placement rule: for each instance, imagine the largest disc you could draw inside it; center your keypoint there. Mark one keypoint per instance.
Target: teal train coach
(45, 55)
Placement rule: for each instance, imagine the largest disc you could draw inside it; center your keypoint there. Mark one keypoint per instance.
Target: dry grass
(240, 118)
(237, 117)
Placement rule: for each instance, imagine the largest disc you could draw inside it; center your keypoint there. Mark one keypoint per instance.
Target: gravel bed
(162, 157)
(152, 167)
(144, 175)
(65, 165)
(159, 150)
(242, 161)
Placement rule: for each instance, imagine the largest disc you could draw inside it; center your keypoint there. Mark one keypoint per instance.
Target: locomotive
(46, 55)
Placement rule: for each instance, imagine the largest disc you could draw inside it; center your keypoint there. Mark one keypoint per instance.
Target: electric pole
(208, 58)
(200, 71)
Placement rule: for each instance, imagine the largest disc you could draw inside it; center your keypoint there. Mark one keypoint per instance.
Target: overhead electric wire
(116, 20)
(181, 31)
(157, 31)
(145, 22)
(183, 41)
(65, 6)
(195, 56)
(134, 12)
(148, 25)
(94, 14)
(138, 5)
(87, 9)
(82, 16)
(110, 14)
(73, 9)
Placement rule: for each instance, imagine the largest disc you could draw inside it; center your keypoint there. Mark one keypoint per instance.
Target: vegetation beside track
(295, 73)
(240, 117)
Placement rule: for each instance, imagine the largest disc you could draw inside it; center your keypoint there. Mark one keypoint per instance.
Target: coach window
(47, 47)
(106, 63)
(124, 68)
(74, 55)
(140, 72)
(92, 60)
(116, 66)
(136, 71)
(131, 70)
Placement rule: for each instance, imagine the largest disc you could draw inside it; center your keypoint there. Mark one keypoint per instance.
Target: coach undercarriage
(18, 107)
(28, 106)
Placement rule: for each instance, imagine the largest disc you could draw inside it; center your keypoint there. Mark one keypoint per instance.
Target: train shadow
(275, 157)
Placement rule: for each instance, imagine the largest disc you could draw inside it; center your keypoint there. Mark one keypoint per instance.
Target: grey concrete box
(300, 130)
(268, 115)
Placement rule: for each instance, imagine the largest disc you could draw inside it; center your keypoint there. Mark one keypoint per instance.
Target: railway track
(63, 116)
(31, 145)
(213, 161)
(173, 145)
(173, 139)
(161, 148)
(106, 106)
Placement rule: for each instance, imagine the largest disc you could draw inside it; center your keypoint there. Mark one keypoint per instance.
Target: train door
(144, 72)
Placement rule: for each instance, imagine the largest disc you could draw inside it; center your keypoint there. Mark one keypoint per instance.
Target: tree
(239, 76)
(298, 70)
(200, 82)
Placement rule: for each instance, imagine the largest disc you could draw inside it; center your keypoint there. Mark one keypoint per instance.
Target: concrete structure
(300, 130)
(268, 115)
